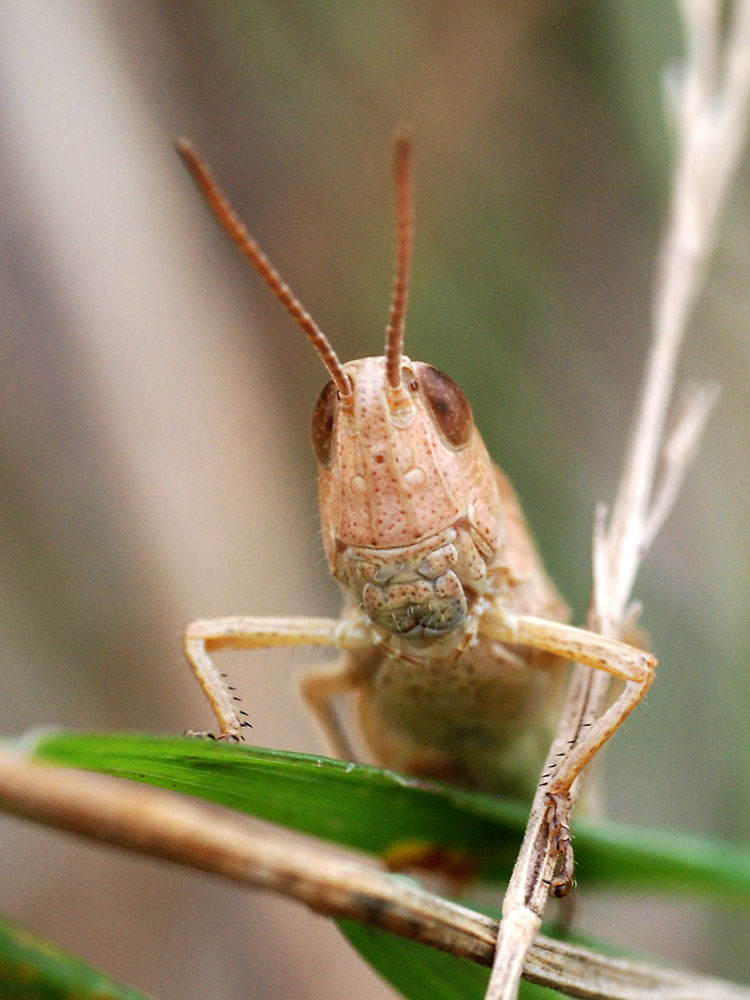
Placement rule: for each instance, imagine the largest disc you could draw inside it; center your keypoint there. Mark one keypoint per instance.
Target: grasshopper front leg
(205, 636)
(633, 666)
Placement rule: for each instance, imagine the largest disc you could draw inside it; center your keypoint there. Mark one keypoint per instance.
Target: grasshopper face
(409, 504)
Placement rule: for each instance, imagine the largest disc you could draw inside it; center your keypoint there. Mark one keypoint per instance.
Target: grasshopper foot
(558, 808)
(220, 738)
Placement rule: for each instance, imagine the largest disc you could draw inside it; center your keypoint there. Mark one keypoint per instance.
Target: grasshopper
(452, 636)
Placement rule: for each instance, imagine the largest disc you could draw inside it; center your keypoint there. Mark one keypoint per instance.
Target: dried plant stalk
(164, 825)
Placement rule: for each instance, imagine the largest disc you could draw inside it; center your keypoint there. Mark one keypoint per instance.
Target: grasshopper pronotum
(451, 633)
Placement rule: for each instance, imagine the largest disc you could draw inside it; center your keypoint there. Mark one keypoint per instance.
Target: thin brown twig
(171, 827)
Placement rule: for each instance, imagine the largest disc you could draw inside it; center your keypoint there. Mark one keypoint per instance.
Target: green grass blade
(378, 811)
(361, 807)
(33, 969)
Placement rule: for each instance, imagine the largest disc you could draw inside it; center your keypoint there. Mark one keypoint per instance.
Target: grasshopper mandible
(452, 635)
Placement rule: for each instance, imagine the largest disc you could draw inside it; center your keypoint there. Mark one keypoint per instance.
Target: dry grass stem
(167, 826)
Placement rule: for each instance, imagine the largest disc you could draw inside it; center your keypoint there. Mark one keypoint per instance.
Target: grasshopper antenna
(219, 205)
(398, 398)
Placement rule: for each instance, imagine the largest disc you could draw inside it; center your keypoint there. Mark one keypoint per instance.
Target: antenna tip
(185, 149)
(402, 143)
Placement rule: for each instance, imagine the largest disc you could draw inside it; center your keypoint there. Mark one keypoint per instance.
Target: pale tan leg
(204, 636)
(319, 688)
(632, 665)
(627, 663)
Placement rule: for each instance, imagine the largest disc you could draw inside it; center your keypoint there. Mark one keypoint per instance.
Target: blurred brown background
(154, 401)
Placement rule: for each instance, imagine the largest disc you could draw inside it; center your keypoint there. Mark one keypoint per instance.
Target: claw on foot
(220, 738)
(558, 808)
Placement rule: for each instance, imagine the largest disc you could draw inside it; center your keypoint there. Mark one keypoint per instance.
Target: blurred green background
(154, 401)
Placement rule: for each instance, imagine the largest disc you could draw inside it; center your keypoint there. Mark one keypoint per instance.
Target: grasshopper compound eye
(449, 406)
(321, 430)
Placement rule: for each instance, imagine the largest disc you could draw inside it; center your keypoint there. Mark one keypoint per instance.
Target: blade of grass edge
(376, 811)
(33, 969)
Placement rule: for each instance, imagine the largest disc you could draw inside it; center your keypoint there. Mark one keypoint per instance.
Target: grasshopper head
(408, 500)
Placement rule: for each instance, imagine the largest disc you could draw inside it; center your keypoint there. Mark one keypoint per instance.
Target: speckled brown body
(425, 536)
